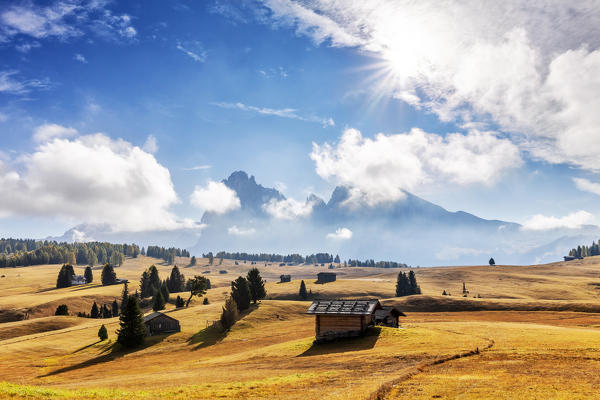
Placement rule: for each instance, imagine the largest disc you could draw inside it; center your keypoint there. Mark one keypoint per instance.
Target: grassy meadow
(520, 333)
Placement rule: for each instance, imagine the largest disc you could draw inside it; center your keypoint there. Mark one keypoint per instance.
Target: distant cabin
(388, 316)
(285, 278)
(78, 280)
(158, 323)
(324, 277)
(342, 318)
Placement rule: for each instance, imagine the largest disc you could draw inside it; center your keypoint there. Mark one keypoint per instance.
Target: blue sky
(251, 85)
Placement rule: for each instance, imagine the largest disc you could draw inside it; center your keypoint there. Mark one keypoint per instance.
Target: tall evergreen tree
(106, 312)
(211, 258)
(124, 296)
(492, 262)
(164, 290)
(256, 284)
(108, 275)
(132, 330)
(145, 289)
(176, 281)
(102, 333)
(94, 312)
(154, 279)
(240, 291)
(89, 276)
(179, 302)
(229, 314)
(65, 276)
(115, 308)
(302, 292)
(158, 302)
(193, 261)
(402, 285)
(412, 283)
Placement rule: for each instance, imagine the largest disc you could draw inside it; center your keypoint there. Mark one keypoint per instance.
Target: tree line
(67, 273)
(244, 290)
(582, 251)
(166, 254)
(25, 252)
(406, 284)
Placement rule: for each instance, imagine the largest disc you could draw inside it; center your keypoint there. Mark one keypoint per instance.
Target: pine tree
(158, 302)
(94, 313)
(198, 286)
(229, 314)
(240, 291)
(402, 285)
(302, 292)
(176, 281)
(210, 258)
(132, 331)
(205, 301)
(336, 259)
(89, 276)
(115, 308)
(108, 275)
(412, 283)
(154, 279)
(145, 285)
(62, 310)
(256, 284)
(102, 333)
(65, 276)
(492, 262)
(165, 292)
(124, 296)
(193, 261)
(179, 302)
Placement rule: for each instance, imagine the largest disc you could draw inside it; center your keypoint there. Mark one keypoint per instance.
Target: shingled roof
(155, 314)
(344, 307)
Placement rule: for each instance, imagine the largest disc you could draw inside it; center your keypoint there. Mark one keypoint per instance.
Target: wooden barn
(158, 323)
(388, 316)
(285, 278)
(324, 277)
(342, 318)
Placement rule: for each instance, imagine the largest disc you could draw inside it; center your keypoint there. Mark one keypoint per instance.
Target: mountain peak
(251, 195)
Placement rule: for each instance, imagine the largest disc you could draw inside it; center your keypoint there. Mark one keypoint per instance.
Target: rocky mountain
(411, 230)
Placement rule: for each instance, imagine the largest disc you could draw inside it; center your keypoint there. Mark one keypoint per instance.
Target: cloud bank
(215, 197)
(340, 234)
(573, 221)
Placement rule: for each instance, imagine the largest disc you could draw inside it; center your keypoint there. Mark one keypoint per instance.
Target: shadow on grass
(110, 352)
(213, 334)
(344, 345)
(88, 346)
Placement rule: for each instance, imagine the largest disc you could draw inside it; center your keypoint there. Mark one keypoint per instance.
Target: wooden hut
(388, 316)
(324, 277)
(342, 318)
(285, 278)
(158, 323)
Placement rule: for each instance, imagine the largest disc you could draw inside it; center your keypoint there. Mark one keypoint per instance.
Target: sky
(131, 113)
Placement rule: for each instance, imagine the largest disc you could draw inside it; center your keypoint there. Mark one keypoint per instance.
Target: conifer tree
(106, 312)
(176, 281)
(198, 286)
(124, 296)
(153, 278)
(165, 292)
(158, 302)
(302, 292)
(94, 312)
(256, 284)
(145, 285)
(62, 310)
(402, 285)
(412, 283)
(229, 314)
(193, 261)
(108, 275)
(205, 301)
(65, 276)
(131, 331)
(179, 302)
(102, 333)
(115, 308)
(89, 276)
(240, 291)
(492, 262)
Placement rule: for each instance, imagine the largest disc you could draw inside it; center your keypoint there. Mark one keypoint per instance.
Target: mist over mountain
(411, 230)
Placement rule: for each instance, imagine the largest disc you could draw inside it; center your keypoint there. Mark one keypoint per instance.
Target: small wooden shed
(285, 278)
(342, 318)
(158, 323)
(388, 316)
(324, 277)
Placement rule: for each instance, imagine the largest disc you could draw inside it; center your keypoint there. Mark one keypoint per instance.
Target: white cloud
(235, 231)
(587, 186)
(151, 145)
(340, 234)
(27, 46)
(573, 221)
(194, 50)
(380, 169)
(198, 168)
(288, 209)
(531, 68)
(91, 179)
(9, 83)
(215, 197)
(46, 132)
(63, 20)
(277, 112)
(80, 58)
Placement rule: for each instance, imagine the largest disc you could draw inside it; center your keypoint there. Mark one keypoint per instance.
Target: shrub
(102, 333)
(62, 310)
